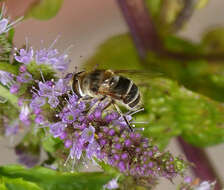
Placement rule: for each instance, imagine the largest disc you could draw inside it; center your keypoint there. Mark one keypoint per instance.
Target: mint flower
(5, 24)
(12, 129)
(25, 55)
(6, 78)
(47, 56)
(112, 184)
(87, 130)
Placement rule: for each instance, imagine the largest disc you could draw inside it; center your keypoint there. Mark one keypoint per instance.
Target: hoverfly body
(103, 84)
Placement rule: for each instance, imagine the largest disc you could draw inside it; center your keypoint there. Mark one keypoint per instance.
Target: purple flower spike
(111, 132)
(53, 101)
(45, 56)
(44, 89)
(5, 78)
(37, 102)
(24, 114)
(57, 129)
(76, 150)
(112, 184)
(122, 166)
(69, 117)
(68, 143)
(88, 135)
(12, 129)
(59, 88)
(39, 119)
(52, 57)
(22, 68)
(25, 56)
(3, 25)
(24, 77)
(93, 149)
(62, 63)
(14, 88)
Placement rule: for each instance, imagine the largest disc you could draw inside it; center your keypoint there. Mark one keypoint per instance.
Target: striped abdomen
(127, 92)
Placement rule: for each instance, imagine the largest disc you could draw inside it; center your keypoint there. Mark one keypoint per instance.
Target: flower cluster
(6, 78)
(5, 24)
(87, 127)
(88, 130)
(47, 56)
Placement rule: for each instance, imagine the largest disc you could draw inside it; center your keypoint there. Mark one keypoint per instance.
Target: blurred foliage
(154, 7)
(213, 40)
(165, 13)
(13, 177)
(8, 96)
(5, 109)
(201, 3)
(18, 184)
(116, 50)
(51, 144)
(171, 108)
(44, 9)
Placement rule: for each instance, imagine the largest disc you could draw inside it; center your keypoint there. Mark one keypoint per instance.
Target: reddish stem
(141, 26)
(146, 37)
(202, 168)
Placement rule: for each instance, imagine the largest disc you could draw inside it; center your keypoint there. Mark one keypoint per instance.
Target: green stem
(5, 66)
(4, 92)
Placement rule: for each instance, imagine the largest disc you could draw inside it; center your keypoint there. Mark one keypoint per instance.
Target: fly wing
(138, 75)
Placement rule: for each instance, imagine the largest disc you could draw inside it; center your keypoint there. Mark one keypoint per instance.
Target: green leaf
(48, 179)
(198, 75)
(11, 34)
(172, 110)
(35, 70)
(51, 144)
(213, 40)
(4, 92)
(164, 13)
(44, 9)
(2, 186)
(17, 184)
(117, 52)
(175, 44)
(201, 4)
(154, 6)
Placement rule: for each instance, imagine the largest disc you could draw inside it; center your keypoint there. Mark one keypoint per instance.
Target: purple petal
(57, 129)
(3, 25)
(88, 135)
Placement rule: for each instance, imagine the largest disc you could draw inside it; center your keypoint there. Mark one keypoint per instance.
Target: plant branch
(189, 57)
(184, 15)
(146, 37)
(141, 26)
(202, 168)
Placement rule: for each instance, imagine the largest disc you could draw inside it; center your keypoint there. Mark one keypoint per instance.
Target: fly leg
(92, 109)
(123, 116)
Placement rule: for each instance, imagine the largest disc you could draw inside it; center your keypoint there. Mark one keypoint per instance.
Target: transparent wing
(138, 75)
